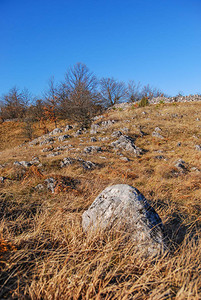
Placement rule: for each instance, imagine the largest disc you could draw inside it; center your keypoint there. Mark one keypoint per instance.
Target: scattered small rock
(23, 163)
(34, 160)
(97, 117)
(104, 139)
(62, 147)
(67, 161)
(94, 128)
(141, 132)
(180, 165)
(160, 157)
(157, 134)
(157, 129)
(87, 165)
(55, 131)
(124, 158)
(64, 137)
(198, 147)
(49, 140)
(127, 143)
(116, 134)
(194, 169)
(78, 132)
(108, 123)
(92, 149)
(68, 127)
(39, 187)
(125, 129)
(2, 179)
(34, 142)
(93, 139)
(51, 183)
(54, 154)
(48, 149)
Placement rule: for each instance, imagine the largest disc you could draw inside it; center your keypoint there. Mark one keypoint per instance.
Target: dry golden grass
(50, 257)
(12, 133)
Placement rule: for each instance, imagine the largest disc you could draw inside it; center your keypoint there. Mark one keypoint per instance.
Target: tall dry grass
(56, 260)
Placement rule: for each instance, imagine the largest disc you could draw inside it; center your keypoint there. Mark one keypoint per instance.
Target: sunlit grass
(44, 253)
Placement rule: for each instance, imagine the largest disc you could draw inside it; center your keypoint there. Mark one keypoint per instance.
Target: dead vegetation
(44, 253)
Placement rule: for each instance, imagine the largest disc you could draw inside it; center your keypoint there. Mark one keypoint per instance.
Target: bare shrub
(133, 91)
(112, 91)
(14, 104)
(143, 102)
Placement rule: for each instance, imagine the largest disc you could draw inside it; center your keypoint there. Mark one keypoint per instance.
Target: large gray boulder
(123, 207)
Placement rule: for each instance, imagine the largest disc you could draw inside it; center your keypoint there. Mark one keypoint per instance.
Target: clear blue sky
(152, 41)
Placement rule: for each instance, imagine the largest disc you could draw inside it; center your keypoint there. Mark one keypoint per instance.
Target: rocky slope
(47, 184)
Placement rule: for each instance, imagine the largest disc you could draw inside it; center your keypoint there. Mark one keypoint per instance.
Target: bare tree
(63, 100)
(112, 91)
(51, 101)
(133, 91)
(14, 103)
(78, 94)
(150, 92)
(37, 110)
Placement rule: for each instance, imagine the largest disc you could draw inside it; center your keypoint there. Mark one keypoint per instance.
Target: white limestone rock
(67, 161)
(68, 127)
(127, 143)
(93, 139)
(49, 140)
(157, 135)
(123, 207)
(56, 131)
(94, 128)
(116, 134)
(51, 184)
(23, 163)
(108, 123)
(92, 149)
(2, 179)
(64, 137)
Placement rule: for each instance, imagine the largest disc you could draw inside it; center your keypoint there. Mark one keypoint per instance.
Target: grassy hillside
(44, 254)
